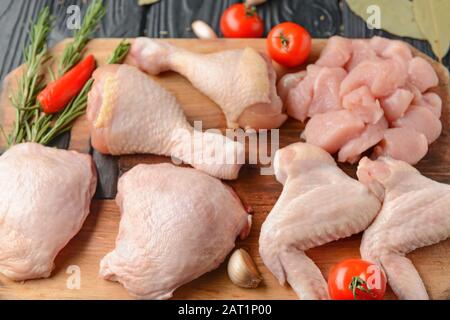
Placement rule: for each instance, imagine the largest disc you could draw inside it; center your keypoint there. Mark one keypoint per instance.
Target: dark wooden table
(171, 19)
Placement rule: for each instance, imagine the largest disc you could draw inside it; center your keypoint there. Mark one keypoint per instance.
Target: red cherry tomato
(241, 21)
(289, 44)
(356, 279)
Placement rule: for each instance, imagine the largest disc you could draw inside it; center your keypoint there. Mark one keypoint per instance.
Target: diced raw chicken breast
(332, 130)
(336, 53)
(421, 74)
(361, 51)
(362, 104)
(433, 102)
(326, 91)
(403, 144)
(396, 104)
(382, 77)
(289, 82)
(386, 48)
(298, 100)
(422, 120)
(372, 134)
(316, 92)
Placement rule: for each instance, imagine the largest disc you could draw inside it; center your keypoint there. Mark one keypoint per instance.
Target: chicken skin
(176, 224)
(319, 204)
(45, 195)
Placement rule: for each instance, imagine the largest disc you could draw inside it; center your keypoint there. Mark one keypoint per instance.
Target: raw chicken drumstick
(45, 194)
(415, 213)
(130, 113)
(176, 224)
(319, 204)
(242, 82)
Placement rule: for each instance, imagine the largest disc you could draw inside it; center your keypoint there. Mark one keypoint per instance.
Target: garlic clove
(254, 2)
(202, 30)
(242, 270)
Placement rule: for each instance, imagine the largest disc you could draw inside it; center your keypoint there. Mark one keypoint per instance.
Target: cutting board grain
(260, 192)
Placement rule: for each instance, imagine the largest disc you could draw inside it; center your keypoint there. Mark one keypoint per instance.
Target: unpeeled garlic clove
(242, 270)
(202, 30)
(254, 2)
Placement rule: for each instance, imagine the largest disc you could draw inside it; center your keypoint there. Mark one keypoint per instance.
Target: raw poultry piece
(332, 130)
(319, 204)
(131, 113)
(45, 194)
(373, 80)
(176, 224)
(242, 82)
(404, 144)
(415, 213)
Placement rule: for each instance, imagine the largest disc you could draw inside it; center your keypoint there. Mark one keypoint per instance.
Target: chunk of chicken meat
(421, 74)
(336, 53)
(403, 144)
(372, 134)
(415, 214)
(362, 104)
(332, 130)
(130, 113)
(422, 120)
(45, 195)
(176, 224)
(313, 92)
(319, 204)
(382, 77)
(242, 82)
(395, 105)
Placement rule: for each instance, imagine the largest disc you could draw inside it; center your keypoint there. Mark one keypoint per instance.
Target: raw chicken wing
(415, 214)
(319, 204)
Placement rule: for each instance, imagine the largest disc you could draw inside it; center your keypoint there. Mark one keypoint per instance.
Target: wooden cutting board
(260, 192)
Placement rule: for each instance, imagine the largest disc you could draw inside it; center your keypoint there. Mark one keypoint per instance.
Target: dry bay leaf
(433, 19)
(145, 2)
(397, 16)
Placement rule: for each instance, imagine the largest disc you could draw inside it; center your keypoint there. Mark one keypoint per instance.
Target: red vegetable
(241, 21)
(59, 93)
(289, 44)
(356, 279)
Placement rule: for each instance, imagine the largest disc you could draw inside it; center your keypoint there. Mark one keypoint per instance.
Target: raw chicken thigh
(130, 113)
(415, 214)
(45, 194)
(176, 224)
(381, 86)
(319, 204)
(242, 82)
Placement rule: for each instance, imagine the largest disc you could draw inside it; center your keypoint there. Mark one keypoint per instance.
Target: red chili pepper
(59, 93)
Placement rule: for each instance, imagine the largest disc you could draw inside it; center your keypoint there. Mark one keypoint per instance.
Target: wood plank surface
(257, 191)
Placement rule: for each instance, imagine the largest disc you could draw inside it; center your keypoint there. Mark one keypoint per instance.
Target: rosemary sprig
(30, 83)
(48, 127)
(120, 52)
(72, 52)
(77, 107)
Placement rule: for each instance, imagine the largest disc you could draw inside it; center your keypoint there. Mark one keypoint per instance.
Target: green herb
(30, 83)
(120, 52)
(72, 52)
